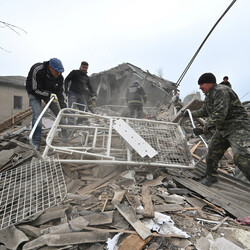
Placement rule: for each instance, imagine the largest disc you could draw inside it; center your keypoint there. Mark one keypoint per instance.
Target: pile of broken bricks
(123, 207)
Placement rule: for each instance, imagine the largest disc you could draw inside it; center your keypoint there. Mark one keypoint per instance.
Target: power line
(196, 53)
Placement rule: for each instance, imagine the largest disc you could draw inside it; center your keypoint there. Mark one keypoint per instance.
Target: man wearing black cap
(226, 82)
(231, 123)
(44, 81)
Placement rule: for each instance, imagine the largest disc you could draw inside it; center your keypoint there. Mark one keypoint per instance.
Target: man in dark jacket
(226, 82)
(135, 96)
(231, 123)
(44, 81)
(75, 85)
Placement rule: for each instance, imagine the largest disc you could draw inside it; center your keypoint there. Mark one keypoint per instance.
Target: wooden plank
(218, 225)
(195, 147)
(168, 208)
(134, 200)
(96, 184)
(134, 242)
(198, 158)
(129, 214)
(210, 204)
(15, 119)
(147, 202)
(118, 196)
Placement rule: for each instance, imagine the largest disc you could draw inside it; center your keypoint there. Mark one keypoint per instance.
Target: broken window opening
(18, 102)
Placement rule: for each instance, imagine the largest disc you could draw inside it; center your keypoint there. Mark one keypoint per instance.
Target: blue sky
(160, 35)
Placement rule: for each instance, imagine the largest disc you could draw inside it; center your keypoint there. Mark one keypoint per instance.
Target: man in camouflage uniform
(229, 119)
(135, 96)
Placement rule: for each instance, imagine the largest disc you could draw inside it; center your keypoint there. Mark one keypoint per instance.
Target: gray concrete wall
(7, 94)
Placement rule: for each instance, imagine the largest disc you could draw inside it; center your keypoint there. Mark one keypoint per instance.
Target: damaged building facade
(111, 85)
(14, 97)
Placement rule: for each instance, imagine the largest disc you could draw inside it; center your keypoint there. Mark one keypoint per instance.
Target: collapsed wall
(111, 85)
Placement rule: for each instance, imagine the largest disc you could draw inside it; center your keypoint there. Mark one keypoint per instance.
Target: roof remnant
(111, 85)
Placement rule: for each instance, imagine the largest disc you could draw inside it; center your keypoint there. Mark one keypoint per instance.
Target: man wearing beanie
(231, 123)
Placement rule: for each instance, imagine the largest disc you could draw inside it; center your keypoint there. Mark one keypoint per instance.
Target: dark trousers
(73, 98)
(36, 106)
(135, 108)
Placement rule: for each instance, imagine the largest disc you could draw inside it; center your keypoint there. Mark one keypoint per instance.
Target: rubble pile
(116, 206)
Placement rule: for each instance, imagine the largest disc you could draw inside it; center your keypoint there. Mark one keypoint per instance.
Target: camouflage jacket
(224, 109)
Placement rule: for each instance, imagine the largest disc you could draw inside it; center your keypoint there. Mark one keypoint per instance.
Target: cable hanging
(196, 53)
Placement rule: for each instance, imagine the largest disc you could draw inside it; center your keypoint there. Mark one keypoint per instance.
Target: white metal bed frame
(98, 142)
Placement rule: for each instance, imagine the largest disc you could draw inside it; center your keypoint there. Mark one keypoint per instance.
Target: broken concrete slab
(29, 230)
(36, 243)
(50, 214)
(12, 237)
(130, 216)
(223, 244)
(75, 225)
(74, 185)
(99, 218)
(236, 235)
(5, 156)
(96, 218)
(57, 240)
(76, 238)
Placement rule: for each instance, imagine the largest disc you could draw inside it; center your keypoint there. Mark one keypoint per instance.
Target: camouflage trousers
(239, 141)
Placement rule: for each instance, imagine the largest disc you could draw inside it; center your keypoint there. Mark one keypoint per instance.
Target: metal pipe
(36, 124)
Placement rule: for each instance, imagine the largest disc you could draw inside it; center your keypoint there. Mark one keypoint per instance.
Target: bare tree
(13, 28)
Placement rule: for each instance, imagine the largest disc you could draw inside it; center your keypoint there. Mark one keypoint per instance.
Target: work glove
(94, 104)
(55, 97)
(184, 113)
(198, 131)
(93, 99)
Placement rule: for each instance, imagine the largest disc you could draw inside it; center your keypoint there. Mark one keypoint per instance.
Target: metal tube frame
(35, 126)
(104, 154)
(202, 139)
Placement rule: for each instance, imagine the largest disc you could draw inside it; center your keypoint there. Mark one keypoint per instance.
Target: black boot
(209, 180)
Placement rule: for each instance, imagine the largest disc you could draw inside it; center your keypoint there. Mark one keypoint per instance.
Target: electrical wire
(196, 53)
